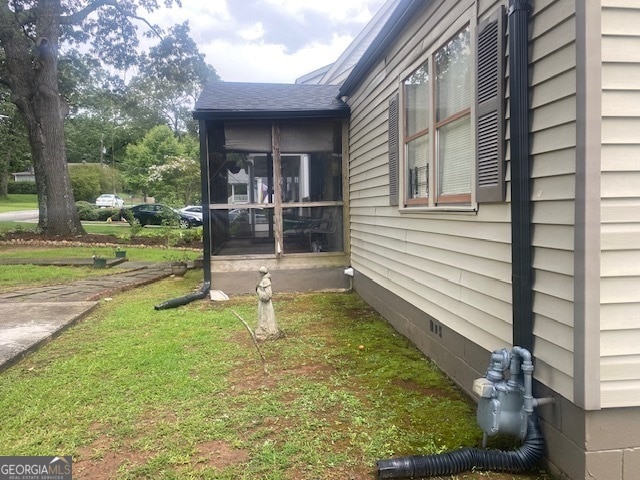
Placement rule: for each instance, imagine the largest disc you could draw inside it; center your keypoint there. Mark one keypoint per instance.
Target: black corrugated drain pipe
(523, 459)
(176, 302)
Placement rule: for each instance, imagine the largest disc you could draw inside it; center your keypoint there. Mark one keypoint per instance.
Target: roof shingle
(221, 100)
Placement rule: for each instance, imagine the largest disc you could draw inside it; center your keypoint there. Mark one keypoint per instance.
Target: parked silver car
(195, 210)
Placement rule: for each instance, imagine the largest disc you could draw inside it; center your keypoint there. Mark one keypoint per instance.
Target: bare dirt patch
(101, 461)
(219, 454)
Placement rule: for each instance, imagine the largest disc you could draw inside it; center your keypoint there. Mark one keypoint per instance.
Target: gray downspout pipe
(518, 18)
(206, 228)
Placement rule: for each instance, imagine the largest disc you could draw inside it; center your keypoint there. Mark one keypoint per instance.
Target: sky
(273, 41)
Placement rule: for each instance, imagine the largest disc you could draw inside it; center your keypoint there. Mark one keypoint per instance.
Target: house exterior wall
(552, 59)
(443, 279)
(620, 207)
(457, 267)
(453, 266)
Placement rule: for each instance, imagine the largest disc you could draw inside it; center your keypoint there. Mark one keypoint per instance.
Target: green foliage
(177, 181)
(90, 180)
(14, 155)
(89, 212)
(154, 149)
(22, 188)
(171, 78)
(85, 181)
(86, 210)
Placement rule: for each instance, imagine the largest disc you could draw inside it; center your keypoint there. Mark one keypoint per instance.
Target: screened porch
(274, 179)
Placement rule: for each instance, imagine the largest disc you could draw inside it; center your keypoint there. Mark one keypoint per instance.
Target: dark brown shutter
(393, 150)
(490, 184)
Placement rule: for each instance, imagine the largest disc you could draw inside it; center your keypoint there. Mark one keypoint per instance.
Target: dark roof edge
(399, 18)
(268, 114)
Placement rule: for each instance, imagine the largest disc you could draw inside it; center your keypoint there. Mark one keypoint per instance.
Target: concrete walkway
(31, 317)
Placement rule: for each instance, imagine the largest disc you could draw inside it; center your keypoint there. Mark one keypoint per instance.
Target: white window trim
(428, 55)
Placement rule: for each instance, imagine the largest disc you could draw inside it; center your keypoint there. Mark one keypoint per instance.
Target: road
(20, 216)
(31, 216)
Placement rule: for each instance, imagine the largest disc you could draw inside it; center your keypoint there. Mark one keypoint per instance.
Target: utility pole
(101, 149)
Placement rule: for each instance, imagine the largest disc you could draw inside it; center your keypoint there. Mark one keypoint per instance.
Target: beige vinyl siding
(620, 212)
(455, 267)
(553, 148)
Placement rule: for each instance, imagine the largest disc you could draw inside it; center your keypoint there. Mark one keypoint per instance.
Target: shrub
(87, 211)
(108, 213)
(89, 180)
(22, 187)
(85, 180)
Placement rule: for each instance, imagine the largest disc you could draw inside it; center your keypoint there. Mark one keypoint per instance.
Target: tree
(178, 180)
(156, 148)
(31, 35)
(171, 78)
(14, 155)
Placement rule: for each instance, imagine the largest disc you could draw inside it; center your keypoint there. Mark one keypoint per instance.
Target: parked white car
(109, 200)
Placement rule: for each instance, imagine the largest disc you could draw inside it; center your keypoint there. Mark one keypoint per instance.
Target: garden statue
(267, 328)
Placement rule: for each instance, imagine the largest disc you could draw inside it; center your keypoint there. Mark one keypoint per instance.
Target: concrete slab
(26, 326)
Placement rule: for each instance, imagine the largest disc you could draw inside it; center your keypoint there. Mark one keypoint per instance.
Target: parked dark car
(159, 214)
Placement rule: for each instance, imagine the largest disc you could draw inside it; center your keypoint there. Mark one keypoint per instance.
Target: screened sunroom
(274, 174)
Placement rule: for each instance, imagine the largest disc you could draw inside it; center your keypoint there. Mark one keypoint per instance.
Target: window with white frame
(437, 137)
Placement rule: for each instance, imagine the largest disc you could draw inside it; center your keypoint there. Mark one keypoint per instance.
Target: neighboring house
(26, 176)
(491, 197)
(239, 187)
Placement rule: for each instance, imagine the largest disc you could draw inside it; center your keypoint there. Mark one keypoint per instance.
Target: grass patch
(138, 254)
(13, 277)
(18, 201)
(17, 227)
(135, 393)
(121, 232)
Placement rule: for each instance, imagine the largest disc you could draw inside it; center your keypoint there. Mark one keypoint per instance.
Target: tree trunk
(4, 176)
(34, 88)
(58, 213)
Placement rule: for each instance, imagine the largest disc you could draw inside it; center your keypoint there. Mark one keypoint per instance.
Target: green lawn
(15, 277)
(133, 393)
(18, 201)
(122, 230)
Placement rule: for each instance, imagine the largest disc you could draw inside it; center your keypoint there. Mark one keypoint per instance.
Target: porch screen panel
(307, 137)
(247, 137)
